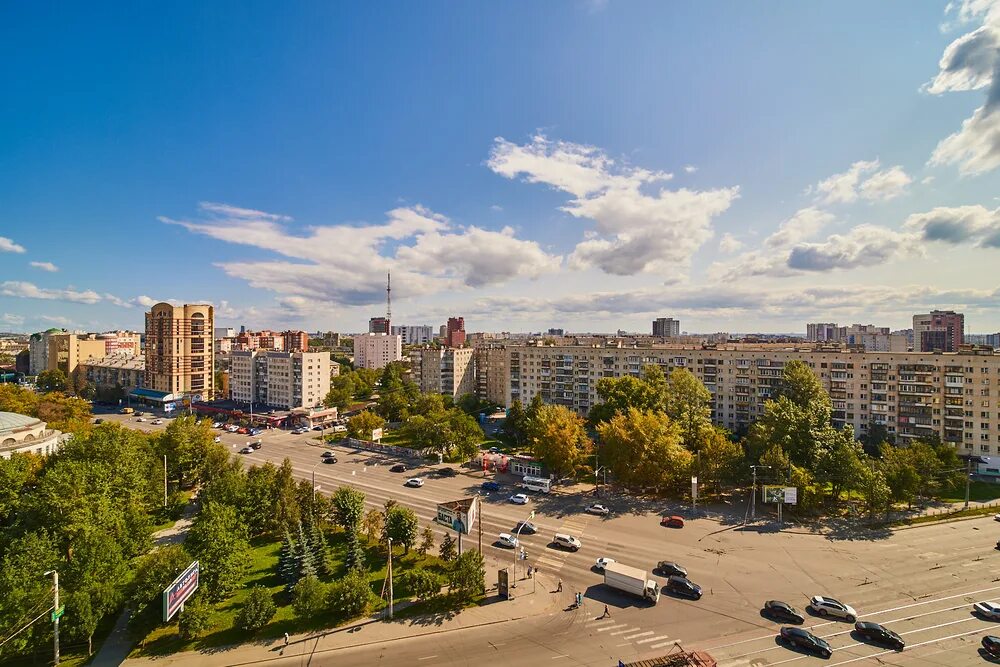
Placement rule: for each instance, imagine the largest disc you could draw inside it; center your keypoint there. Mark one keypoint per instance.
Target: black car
(399, 467)
(783, 611)
(991, 643)
(526, 528)
(256, 444)
(880, 635)
(806, 640)
(447, 472)
(668, 569)
(683, 586)
(329, 459)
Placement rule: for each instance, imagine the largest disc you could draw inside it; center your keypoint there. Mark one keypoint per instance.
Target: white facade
(21, 434)
(285, 380)
(415, 335)
(377, 350)
(450, 370)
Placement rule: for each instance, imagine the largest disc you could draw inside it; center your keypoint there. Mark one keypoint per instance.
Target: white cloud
(26, 290)
(336, 265)
(690, 168)
(960, 224)
(641, 225)
(927, 180)
(496, 207)
(771, 259)
(146, 301)
(56, 319)
(729, 244)
(972, 62)
(804, 224)
(846, 187)
(11, 319)
(862, 246)
(6, 245)
(45, 266)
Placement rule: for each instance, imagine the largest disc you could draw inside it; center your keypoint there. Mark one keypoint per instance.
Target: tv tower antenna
(388, 300)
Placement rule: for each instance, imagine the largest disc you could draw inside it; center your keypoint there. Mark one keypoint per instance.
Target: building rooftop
(119, 361)
(11, 421)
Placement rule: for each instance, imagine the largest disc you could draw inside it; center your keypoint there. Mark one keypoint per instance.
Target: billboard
(459, 515)
(177, 593)
(376, 434)
(780, 494)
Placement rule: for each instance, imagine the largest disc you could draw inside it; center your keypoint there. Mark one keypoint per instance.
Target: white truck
(631, 580)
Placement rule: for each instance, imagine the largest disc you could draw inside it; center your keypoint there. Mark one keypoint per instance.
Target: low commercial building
(284, 380)
(114, 376)
(448, 370)
(22, 434)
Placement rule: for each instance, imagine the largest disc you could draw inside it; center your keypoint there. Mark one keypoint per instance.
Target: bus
(540, 484)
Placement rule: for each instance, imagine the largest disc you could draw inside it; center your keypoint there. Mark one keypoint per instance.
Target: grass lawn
(979, 492)
(263, 572)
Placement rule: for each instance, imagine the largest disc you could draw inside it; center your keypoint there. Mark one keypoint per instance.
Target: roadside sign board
(791, 495)
(57, 613)
(774, 494)
(694, 488)
(376, 434)
(182, 588)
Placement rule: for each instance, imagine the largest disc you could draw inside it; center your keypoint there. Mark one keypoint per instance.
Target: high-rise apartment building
(414, 335)
(455, 332)
(821, 332)
(285, 380)
(492, 375)
(665, 327)
(949, 322)
(38, 351)
(448, 370)
(377, 350)
(912, 394)
(378, 325)
(179, 351)
(295, 341)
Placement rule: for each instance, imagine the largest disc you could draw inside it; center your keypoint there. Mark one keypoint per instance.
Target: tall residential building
(379, 325)
(455, 332)
(38, 351)
(949, 322)
(377, 350)
(492, 376)
(295, 341)
(179, 352)
(911, 394)
(821, 331)
(285, 380)
(224, 332)
(665, 327)
(68, 350)
(992, 340)
(414, 335)
(448, 370)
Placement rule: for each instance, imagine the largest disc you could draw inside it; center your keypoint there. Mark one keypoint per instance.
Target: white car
(507, 540)
(415, 481)
(598, 509)
(156, 421)
(990, 610)
(139, 419)
(218, 438)
(996, 517)
(603, 563)
(519, 499)
(830, 607)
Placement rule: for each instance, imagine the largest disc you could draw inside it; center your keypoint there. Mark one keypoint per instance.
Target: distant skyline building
(285, 380)
(179, 350)
(448, 370)
(992, 340)
(414, 335)
(821, 332)
(377, 350)
(928, 328)
(665, 327)
(455, 332)
(378, 325)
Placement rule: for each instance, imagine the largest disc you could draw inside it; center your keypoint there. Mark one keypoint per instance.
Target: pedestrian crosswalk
(553, 559)
(624, 634)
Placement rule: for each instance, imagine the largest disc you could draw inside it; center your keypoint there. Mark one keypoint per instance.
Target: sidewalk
(116, 647)
(544, 600)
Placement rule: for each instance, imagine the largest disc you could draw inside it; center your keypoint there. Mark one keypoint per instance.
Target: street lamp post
(517, 543)
(968, 473)
(753, 491)
(55, 614)
(312, 502)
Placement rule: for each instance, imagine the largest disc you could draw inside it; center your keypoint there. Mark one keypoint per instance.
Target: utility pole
(164, 480)
(389, 572)
(753, 491)
(968, 475)
(479, 502)
(55, 615)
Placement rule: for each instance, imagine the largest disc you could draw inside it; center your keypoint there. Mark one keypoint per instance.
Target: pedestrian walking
(607, 612)
(559, 587)
(286, 637)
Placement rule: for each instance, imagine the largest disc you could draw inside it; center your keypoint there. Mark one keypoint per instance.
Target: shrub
(257, 611)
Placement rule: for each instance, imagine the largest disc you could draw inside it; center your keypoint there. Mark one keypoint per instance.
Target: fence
(391, 450)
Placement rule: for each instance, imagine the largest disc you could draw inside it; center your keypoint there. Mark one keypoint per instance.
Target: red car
(672, 521)
(243, 429)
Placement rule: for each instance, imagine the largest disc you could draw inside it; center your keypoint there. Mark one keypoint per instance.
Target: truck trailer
(631, 580)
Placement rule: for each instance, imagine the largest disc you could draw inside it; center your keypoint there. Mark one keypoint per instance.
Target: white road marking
(659, 646)
(621, 632)
(640, 634)
(601, 621)
(556, 657)
(427, 657)
(652, 639)
(911, 646)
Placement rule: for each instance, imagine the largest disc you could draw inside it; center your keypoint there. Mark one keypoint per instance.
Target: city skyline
(278, 164)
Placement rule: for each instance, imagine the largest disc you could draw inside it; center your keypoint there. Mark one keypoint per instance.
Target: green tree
(361, 425)
(801, 386)
(839, 464)
(287, 511)
(374, 524)
(257, 611)
(426, 541)
(644, 449)
(186, 442)
(874, 489)
(468, 576)
(900, 474)
(309, 597)
(259, 507)
(350, 596)
(393, 406)
(421, 583)
(617, 395)
(23, 586)
(341, 392)
(354, 556)
(447, 550)
(689, 405)
(515, 426)
(218, 539)
(720, 460)
(155, 571)
(54, 380)
(401, 525)
(348, 507)
(557, 436)
(196, 617)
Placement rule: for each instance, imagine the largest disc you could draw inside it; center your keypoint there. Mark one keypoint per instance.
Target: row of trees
(59, 410)
(351, 386)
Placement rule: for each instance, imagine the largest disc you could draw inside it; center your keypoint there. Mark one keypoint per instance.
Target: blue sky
(588, 165)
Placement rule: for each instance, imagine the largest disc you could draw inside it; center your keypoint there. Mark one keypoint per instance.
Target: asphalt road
(919, 582)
